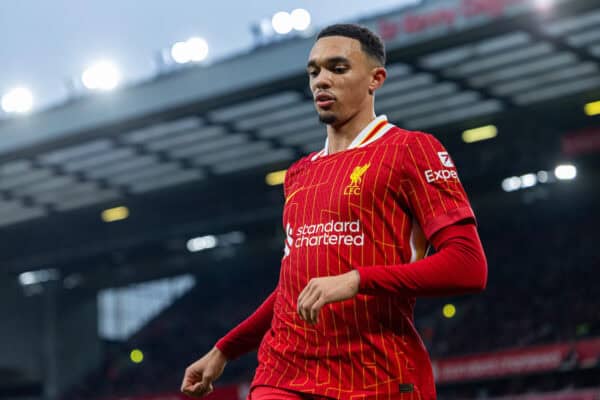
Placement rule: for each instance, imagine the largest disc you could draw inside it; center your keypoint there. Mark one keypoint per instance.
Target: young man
(358, 216)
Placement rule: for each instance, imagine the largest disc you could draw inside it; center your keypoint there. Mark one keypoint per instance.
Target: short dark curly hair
(370, 43)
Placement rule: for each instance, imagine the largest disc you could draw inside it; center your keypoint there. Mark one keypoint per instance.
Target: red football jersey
(375, 203)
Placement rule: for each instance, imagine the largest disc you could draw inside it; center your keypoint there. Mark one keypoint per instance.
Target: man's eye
(313, 73)
(339, 69)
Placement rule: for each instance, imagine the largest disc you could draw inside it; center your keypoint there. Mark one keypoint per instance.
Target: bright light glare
(565, 172)
(592, 108)
(300, 19)
(542, 176)
(481, 133)
(449, 310)
(40, 276)
(136, 356)
(275, 178)
(198, 49)
(202, 243)
(282, 22)
(103, 75)
(27, 278)
(194, 49)
(179, 52)
(18, 100)
(115, 214)
(528, 180)
(511, 184)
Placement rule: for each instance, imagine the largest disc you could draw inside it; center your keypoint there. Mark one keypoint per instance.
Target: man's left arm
(458, 267)
(434, 193)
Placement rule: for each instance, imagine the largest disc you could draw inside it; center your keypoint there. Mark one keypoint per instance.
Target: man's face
(340, 74)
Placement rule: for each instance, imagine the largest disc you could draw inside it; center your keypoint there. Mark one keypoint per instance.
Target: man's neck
(341, 136)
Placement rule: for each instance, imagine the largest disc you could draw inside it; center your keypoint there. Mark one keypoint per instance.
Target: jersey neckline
(373, 131)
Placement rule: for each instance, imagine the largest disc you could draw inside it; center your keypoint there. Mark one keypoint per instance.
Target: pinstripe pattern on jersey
(362, 348)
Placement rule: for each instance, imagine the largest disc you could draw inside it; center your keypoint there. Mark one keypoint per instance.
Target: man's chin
(327, 118)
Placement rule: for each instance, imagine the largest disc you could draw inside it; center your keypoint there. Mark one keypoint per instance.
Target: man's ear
(378, 75)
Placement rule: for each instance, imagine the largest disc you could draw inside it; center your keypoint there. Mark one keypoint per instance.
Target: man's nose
(322, 81)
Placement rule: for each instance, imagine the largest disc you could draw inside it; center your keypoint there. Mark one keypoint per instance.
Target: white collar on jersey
(376, 129)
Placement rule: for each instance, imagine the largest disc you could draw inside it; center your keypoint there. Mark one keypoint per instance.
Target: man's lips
(325, 104)
(324, 100)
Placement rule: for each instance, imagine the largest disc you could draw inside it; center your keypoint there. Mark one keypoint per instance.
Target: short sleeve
(288, 182)
(431, 185)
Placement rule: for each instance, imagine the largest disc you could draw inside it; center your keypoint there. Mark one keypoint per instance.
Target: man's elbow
(473, 278)
(477, 266)
(480, 275)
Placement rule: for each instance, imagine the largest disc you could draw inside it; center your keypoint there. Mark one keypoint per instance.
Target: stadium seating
(538, 292)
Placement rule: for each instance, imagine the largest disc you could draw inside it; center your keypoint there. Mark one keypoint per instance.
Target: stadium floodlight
(449, 310)
(478, 134)
(528, 180)
(202, 243)
(195, 49)
(275, 178)
(179, 53)
(198, 49)
(34, 277)
(511, 184)
(565, 172)
(136, 356)
(592, 108)
(300, 19)
(282, 22)
(542, 176)
(103, 75)
(115, 214)
(18, 100)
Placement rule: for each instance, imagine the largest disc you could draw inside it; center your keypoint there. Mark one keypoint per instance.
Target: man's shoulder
(400, 135)
(304, 160)
(300, 163)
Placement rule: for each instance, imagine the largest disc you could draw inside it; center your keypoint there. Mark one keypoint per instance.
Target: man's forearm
(247, 335)
(458, 267)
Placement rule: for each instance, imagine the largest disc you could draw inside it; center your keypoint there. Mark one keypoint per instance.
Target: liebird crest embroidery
(356, 179)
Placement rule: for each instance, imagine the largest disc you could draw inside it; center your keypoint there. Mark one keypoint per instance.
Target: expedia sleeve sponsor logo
(440, 175)
(445, 159)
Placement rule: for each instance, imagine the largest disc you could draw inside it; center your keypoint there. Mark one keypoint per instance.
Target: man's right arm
(199, 376)
(248, 334)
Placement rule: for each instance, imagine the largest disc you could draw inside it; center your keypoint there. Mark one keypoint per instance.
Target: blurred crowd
(541, 289)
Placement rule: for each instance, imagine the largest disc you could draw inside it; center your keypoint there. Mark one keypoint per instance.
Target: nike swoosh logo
(293, 194)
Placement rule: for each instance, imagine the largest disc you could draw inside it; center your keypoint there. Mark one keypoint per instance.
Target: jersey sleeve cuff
(457, 214)
(229, 353)
(365, 285)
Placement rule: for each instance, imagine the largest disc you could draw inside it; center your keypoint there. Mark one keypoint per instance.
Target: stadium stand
(188, 152)
(538, 293)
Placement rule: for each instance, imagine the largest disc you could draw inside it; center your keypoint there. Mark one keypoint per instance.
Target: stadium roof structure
(185, 141)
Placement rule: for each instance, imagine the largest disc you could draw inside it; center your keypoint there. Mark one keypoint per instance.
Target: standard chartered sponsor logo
(332, 233)
(289, 240)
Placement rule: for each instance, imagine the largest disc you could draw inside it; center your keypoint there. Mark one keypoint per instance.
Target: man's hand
(325, 290)
(200, 375)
